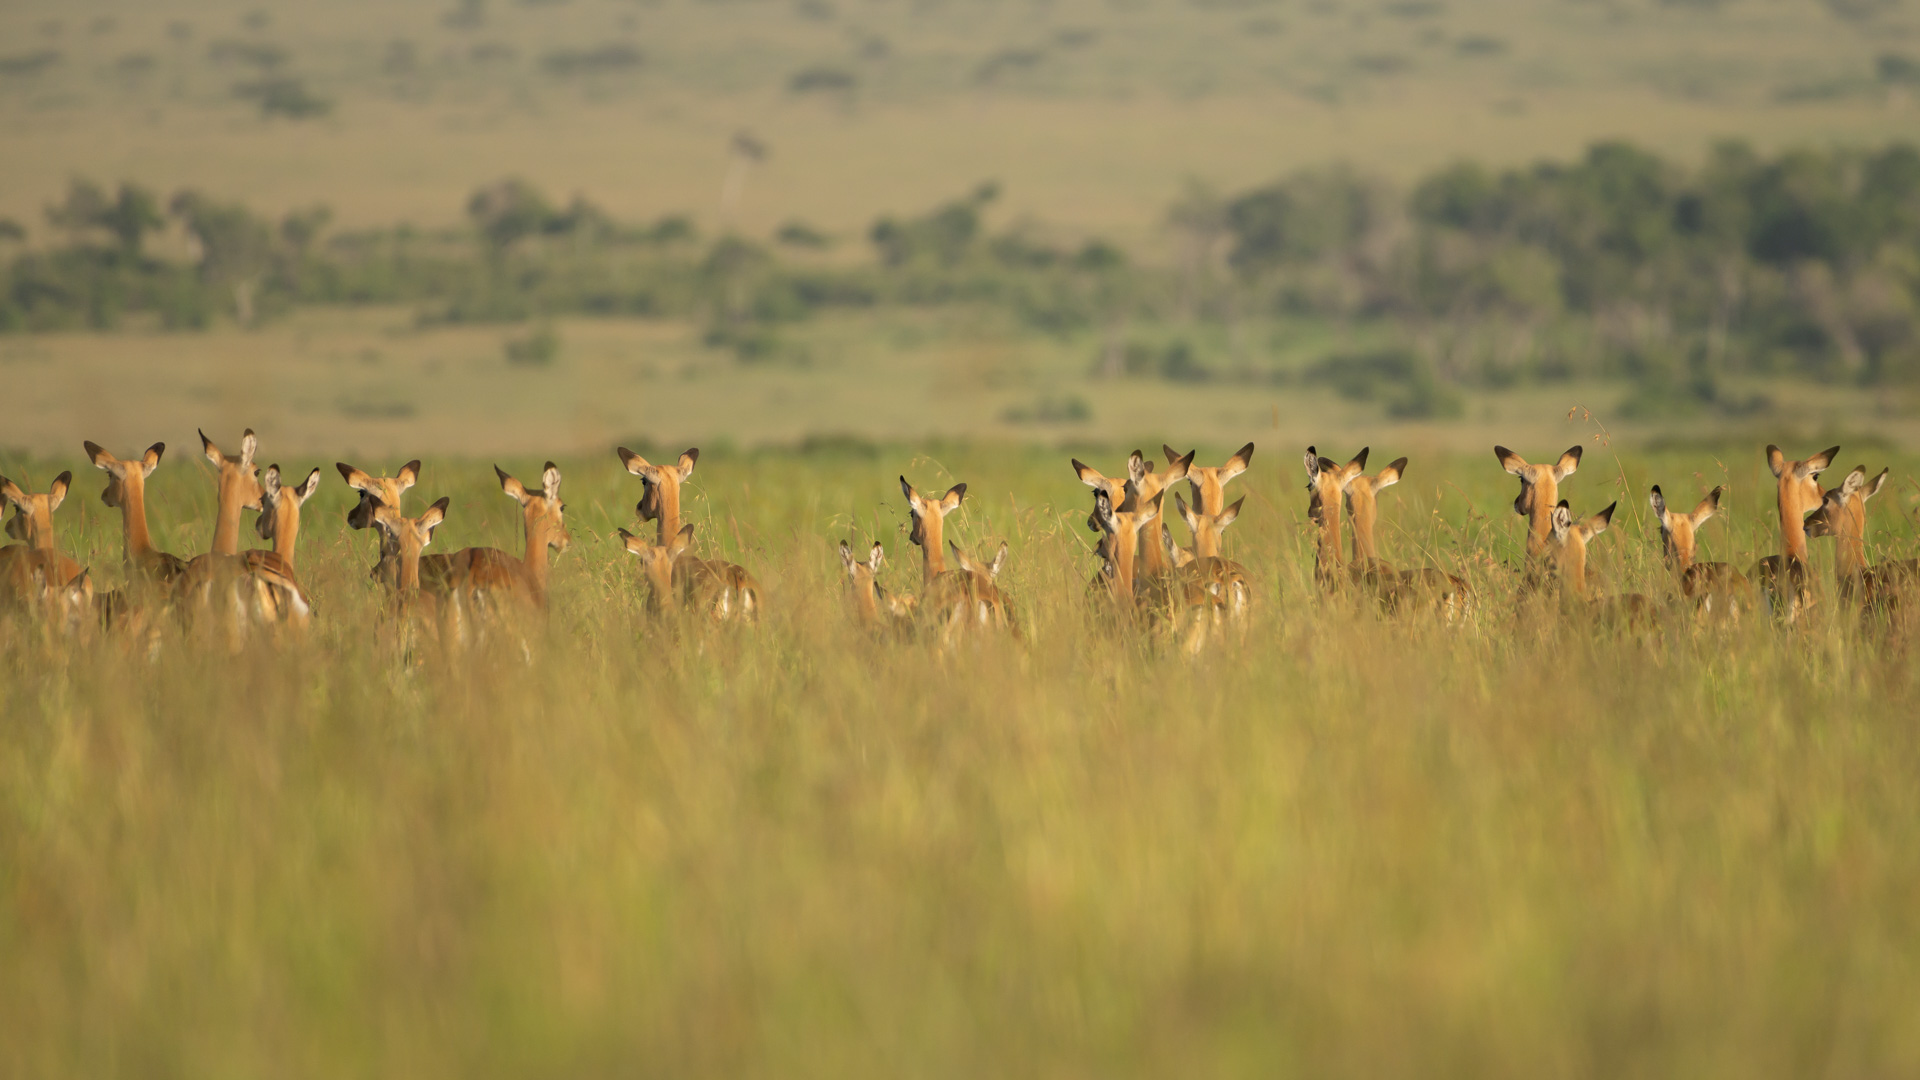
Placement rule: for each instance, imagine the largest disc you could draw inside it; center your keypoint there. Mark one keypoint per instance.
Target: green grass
(1347, 845)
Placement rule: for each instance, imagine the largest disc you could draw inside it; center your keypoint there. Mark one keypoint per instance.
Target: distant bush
(537, 349)
(283, 96)
(601, 60)
(815, 80)
(29, 63)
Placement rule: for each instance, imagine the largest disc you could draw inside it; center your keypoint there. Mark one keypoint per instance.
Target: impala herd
(1145, 577)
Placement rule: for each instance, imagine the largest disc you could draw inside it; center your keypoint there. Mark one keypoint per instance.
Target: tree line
(1622, 264)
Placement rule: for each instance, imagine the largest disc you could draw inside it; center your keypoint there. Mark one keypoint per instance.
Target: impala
(1448, 593)
(1209, 482)
(127, 490)
(1220, 577)
(478, 573)
(661, 499)
(219, 584)
(872, 602)
(1843, 516)
(387, 491)
(1326, 487)
(30, 568)
(418, 611)
(1539, 490)
(1147, 487)
(1704, 583)
(720, 590)
(1783, 577)
(1567, 550)
(1181, 597)
(956, 598)
(280, 599)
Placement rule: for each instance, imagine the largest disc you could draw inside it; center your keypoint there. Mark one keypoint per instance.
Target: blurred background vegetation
(1680, 211)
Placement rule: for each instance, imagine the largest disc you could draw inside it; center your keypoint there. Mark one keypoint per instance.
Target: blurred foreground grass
(1347, 846)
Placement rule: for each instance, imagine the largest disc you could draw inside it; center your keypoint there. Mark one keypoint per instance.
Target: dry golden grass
(1347, 845)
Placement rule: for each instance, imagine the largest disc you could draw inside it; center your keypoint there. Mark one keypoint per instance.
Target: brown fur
(1783, 578)
(388, 491)
(1712, 587)
(1567, 552)
(1147, 485)
(127, 491)
(1539, 491)
(678, 581)
(1843, 516)
(660, 500)
(1326, 497)
(958, 598)
(30, 569)
(873, 604)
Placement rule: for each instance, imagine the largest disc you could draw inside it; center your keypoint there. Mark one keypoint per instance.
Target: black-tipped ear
(1607, 514)
(501, 473)
(346, 471)
(906, 489)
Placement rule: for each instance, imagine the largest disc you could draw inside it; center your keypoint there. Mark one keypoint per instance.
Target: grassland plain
(1091, 114)
(1346, 845)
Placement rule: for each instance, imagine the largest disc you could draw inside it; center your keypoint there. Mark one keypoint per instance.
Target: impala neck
(1152, 557)
(1793, 533)
(669, 510)
(1850, 544)
(933, 545)
(1126, 549)
(226, 529)
(1328, 560)
(538, 532)
(133, 519)
(1206, 542)
(1540, 522)
(1363, 549)
(286, 532)
(410, 570)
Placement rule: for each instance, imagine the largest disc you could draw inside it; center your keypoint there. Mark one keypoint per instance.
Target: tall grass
(1347, 845)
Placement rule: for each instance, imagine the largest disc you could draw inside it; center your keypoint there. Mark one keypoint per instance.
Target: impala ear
(681, 540)
(213, 452)
(356, 479)
(1818, 463)
(960, 556)
(1232, 512)
(408, 475)
(515, 489)
(1659, 503)
(550, 480)
(1313, 465)
(1180, 468)
(1707, 507)
(1776, 460)
(877, 556)
(1562, 519)
(249, 445)
(1598, 523)
(312, 485)
(687, 461)
(12, 492)
(271, 482)
(999, 560)
(635, 464)
(1103, 510)
(1186, 515)
(913, 497)
(1240, 462)
(1088, 474)
(951, 500)
(846, 553)
(1511, 461)
(150, 460)
(632, 543)
(1390, 475)
(1568, 462)
(97, 454)
(1137, 467)
(1872, 488)
(57, 491)
(435, 514)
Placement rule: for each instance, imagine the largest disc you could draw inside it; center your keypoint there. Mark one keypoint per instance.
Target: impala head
(1147, 484)
(1569, 542)
(1209, 482)
(660, 497)
(384, 489)
(280, 510)
(32, 520)
(1207, 528)
(409, 536)
(990, 569)
(1177, 556)
(124, 478)
(1327, 482)
(1843, 510)
(1539, 491)
(1122, 526)
(929, 516)
(862, 570)
(1677, 530)
(239, 479)
(1798, 493)
(1360, 492)
(541, 510)
(657, 560)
